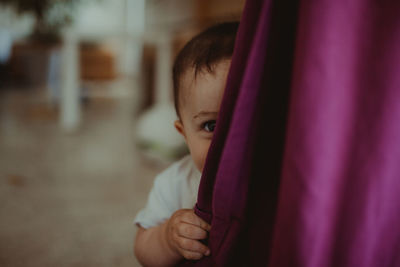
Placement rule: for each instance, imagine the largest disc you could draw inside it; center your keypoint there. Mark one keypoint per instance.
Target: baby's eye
(209, 126)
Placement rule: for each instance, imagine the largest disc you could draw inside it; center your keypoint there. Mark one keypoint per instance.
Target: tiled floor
(69, 199)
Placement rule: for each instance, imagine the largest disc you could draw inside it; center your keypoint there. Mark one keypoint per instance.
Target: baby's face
(200, 100)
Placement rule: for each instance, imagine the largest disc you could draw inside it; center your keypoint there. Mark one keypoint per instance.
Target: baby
(169, 230)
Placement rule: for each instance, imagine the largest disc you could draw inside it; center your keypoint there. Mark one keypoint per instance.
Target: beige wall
(217, 10)
(183, 14)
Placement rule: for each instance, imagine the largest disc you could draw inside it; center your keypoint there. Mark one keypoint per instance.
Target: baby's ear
(179, 127)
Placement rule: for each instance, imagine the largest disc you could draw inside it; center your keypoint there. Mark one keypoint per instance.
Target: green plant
(50, 15)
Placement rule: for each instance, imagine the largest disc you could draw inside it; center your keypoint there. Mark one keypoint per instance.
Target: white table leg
(164, 70)
(70, 114)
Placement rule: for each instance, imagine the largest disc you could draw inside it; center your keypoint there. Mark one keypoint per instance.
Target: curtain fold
(304, 166)
(339, 197)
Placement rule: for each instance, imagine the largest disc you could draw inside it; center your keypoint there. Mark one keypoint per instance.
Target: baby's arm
(175, 239)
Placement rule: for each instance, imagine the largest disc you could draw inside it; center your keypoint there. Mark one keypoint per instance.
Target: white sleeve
(162, 201)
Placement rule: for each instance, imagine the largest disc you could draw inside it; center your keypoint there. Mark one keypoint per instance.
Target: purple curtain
(304, 168)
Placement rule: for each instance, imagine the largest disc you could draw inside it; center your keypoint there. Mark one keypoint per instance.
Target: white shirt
(173, 189)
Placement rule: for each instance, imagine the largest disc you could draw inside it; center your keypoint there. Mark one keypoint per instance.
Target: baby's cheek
(199, 160)
(198, 151)
(204, 152)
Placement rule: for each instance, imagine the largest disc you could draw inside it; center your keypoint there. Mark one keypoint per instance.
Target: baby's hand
(184, 230)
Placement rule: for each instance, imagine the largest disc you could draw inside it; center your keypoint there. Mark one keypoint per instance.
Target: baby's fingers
(192, 218)
(190, 255)
(191, 231)
(190, 247)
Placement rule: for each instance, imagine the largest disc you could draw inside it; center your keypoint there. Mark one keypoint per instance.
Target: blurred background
(86, 121)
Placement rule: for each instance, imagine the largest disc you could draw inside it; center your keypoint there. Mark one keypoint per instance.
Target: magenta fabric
(304, 168)
(340, 192)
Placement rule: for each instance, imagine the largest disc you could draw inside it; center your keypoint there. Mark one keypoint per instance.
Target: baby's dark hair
(203, 52)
